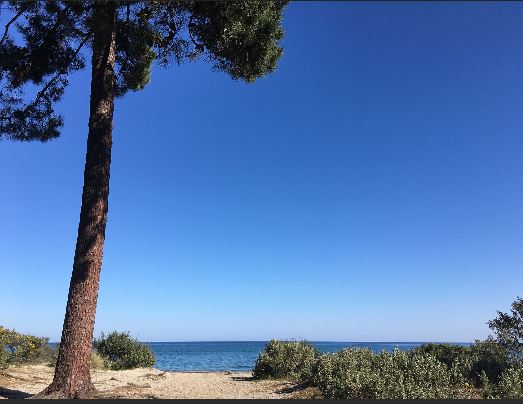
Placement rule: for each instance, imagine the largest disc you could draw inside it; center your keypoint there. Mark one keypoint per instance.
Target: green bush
(488, 357)
(482, 359)
(361, 374)
(124, 352)
(286, 359)
(446, 353)
(510, 384)
(4, 355)
(97, 361)
(16, 348)
(345, 374)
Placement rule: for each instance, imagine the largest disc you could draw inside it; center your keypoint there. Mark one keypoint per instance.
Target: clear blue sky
(371, 189)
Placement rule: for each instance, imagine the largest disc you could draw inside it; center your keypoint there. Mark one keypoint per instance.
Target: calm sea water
(241, 356)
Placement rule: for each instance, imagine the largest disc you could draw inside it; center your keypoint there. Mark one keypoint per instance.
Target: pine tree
(43, 42)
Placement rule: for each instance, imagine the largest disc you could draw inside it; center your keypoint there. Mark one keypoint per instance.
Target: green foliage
(286, 359)
(343, 374)
(508, 328)
(361, 374)
(429, 371)
(124, 352)
(20, 349)
(510, 384)
(16, 348)
(44, 43)
(484, 359)
(446, 353)
(489, 359)
(44, 52)
(97, 361)
(241, 38)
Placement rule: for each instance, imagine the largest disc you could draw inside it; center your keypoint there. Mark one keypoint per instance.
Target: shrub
(98, 361)
(16, 348)
(286, 359)
(446, 353)
(345, 374)
(124, 352)
(490, 358)
(360, 374)
(4, 356)
(482, 359)
(510, 384)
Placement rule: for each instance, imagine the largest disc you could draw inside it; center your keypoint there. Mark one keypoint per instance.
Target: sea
(241, 355)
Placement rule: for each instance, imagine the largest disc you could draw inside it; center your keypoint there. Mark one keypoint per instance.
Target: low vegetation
(483, 360)
(114, 351)
(359, 373)
(121, 351)
(492, 368)
(293, 359)
(16, 349)
(510, 385)
(429, 371)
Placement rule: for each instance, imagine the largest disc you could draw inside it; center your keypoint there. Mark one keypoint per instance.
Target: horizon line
(307, 340)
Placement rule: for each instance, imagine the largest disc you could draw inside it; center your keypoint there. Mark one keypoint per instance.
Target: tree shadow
(290, 387)
(242, 378)
(17, 394)
(294, 388)
(302, 391)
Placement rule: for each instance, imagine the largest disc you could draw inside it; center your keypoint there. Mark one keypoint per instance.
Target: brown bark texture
(72, 378)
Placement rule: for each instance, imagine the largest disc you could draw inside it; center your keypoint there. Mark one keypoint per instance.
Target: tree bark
(72, 377)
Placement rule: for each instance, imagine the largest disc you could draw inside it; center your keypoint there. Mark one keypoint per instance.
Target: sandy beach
(24, 381)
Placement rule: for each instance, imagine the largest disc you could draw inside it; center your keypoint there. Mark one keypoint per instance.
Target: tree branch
(59, 18)
(12, 20)
(123, 66)
(199, 47)
(61, 72)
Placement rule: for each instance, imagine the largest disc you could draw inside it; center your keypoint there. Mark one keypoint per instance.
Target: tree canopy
(508, 328)
(42, 44)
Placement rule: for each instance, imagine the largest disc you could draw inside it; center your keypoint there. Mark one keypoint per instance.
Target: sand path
(23, 381)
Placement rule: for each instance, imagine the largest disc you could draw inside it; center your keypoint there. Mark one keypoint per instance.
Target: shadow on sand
(8, 393)
(242, 378)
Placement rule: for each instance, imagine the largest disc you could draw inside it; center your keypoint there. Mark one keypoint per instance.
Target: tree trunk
(72, 377)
